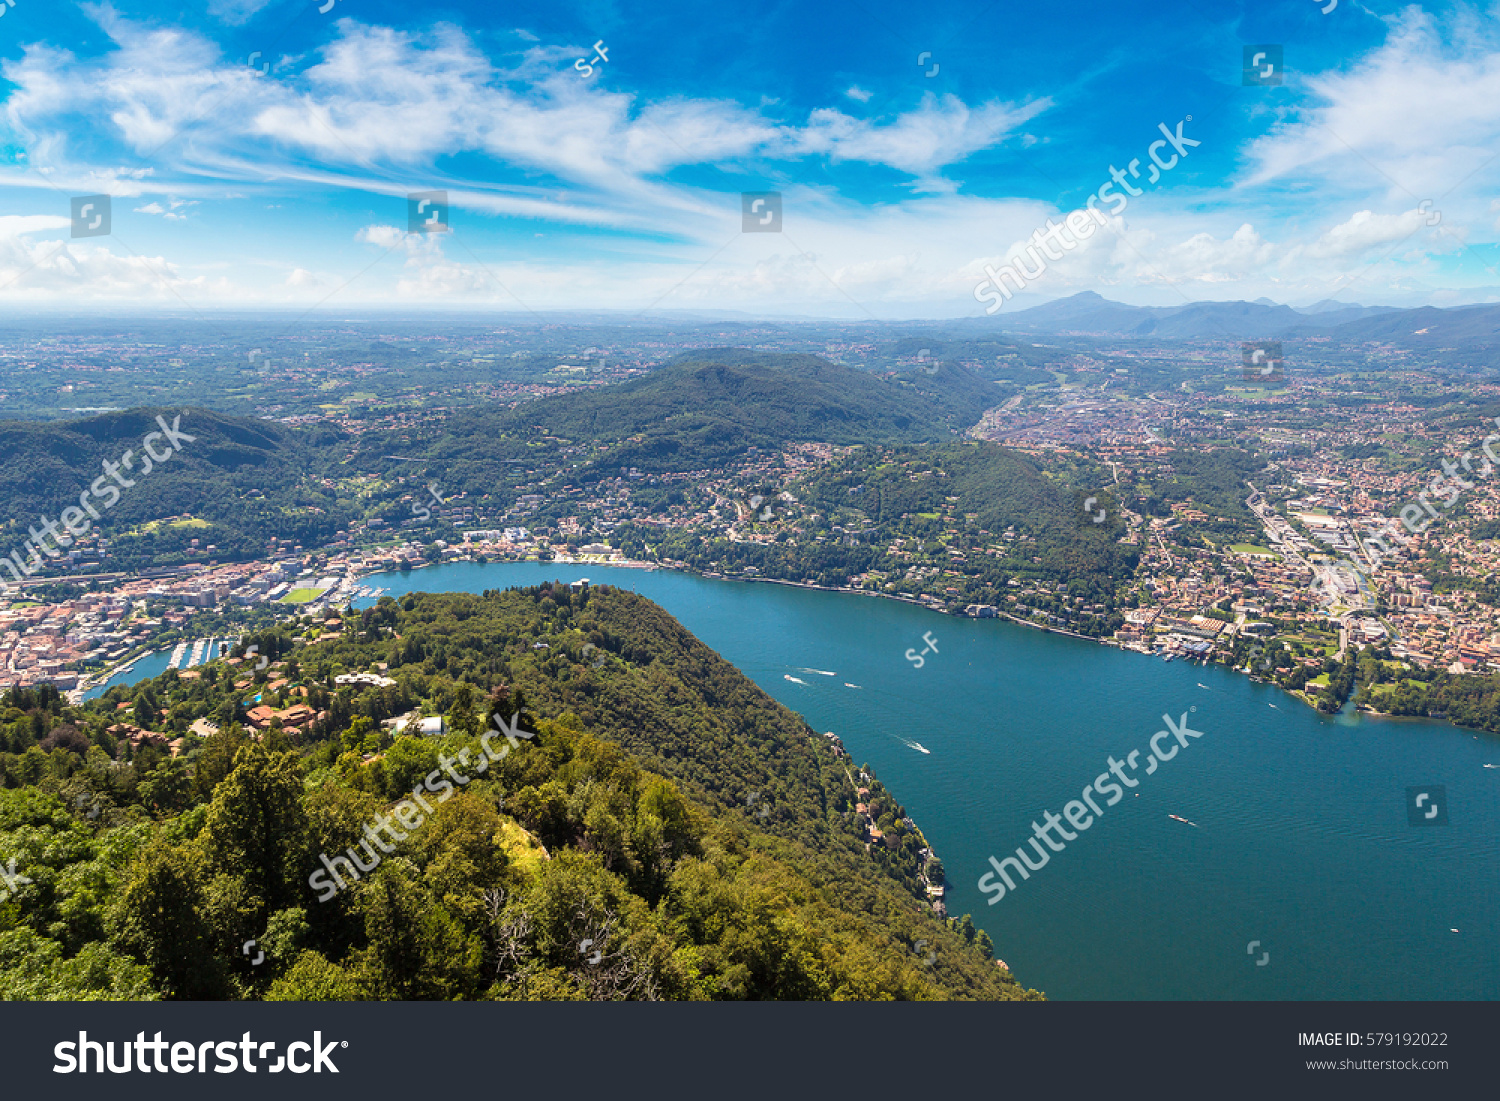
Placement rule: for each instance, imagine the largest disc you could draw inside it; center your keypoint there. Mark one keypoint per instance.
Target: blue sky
(1368, 174)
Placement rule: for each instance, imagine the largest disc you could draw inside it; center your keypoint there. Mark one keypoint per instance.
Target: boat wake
(918, 746)
(848, 685)
(794, 680)
(820, 672)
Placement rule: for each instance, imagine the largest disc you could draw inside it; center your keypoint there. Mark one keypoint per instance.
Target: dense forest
(705, 410)
(1011, 521)
(651, 826)
(242, 481)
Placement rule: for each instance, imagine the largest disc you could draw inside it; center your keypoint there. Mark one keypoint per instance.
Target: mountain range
(1422, 327)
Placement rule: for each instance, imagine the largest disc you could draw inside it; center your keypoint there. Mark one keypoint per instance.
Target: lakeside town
(1330, 548)
(1314, 570)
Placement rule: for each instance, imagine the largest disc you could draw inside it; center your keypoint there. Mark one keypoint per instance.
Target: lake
(1297, 832)
(1296, 873)
(154, 664)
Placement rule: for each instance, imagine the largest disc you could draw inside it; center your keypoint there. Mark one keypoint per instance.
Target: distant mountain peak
(1328, 305)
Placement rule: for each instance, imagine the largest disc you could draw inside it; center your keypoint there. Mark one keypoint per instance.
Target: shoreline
(363, 578)
(1112, 642)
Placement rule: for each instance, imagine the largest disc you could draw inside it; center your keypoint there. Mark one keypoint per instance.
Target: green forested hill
(668, 832)
(247, 479)
(708, 408)
(950, 506)
(768, 399)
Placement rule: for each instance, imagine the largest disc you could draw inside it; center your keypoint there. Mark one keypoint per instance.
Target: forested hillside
(703, 410)
(658, 828)
(236, 483)
(1213, 482)
(1010, 521)
(239, 483)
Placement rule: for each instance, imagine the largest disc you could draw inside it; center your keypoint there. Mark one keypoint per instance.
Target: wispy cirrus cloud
(383, 97)
(942, 131)
(1413, 118)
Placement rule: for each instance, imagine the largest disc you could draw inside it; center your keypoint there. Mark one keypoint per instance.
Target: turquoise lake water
(1300, 838)
(150, 665)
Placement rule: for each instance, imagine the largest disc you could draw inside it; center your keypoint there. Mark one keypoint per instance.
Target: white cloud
(384, 97)
(237, 12)
(157, 208)
(379, 110)
(381, 236)
(13, 225)
(1366, 230)
(1204, 258)
(940, 132)
(1412, 119)
(60, 269)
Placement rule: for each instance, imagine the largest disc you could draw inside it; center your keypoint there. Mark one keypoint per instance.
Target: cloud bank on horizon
(260, 152)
